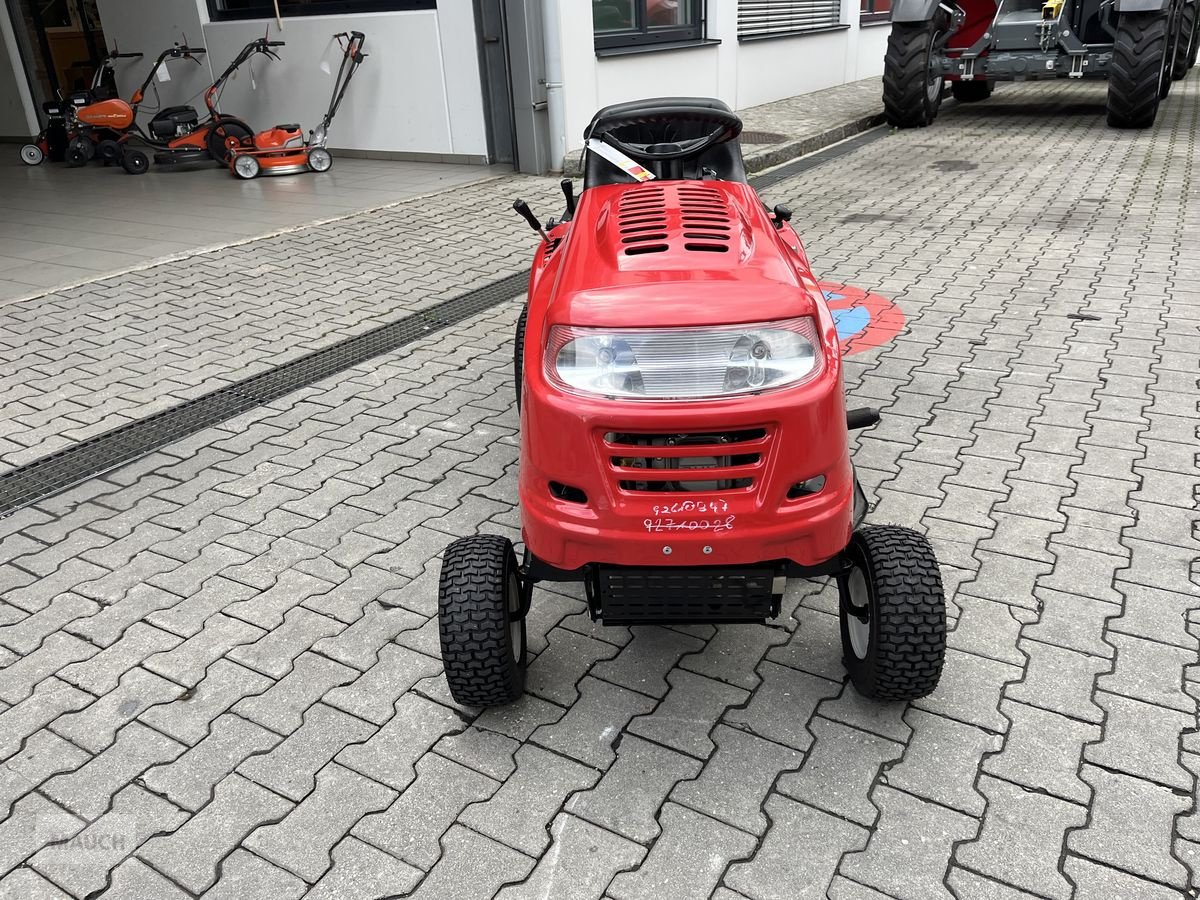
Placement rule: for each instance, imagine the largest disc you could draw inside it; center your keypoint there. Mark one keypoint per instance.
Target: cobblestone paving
(220, 671)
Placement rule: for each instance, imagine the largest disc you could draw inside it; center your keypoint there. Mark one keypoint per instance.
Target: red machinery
(684, 434)
(282, 150)
(177, 133)
(57, 140)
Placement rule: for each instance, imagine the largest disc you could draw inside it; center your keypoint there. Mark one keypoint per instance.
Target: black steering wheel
(722, 126)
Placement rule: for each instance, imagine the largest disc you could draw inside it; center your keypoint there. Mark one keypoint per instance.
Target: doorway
(512, 69)
(61, 42)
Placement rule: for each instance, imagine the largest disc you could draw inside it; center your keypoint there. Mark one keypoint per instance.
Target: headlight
(683, 363)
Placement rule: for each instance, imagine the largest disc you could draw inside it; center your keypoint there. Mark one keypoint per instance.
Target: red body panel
(589, 280)
(279, 138)
(114, 114)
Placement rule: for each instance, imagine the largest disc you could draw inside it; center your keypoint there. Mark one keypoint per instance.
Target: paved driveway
(220, 667)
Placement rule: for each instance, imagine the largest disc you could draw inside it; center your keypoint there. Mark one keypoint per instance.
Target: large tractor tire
(970, 91)
(1139, 66)
(1195, 43)
(1185, 46)
(911, 92)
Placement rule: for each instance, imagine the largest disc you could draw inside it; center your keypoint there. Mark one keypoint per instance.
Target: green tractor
(1140, 46)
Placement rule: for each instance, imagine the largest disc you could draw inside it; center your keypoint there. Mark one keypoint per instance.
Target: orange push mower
(282, 150)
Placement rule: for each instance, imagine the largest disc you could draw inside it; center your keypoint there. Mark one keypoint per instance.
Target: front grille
(623, 595)
(687, 462)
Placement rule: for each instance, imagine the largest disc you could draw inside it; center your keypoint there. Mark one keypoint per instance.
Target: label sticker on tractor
(625, 163)
(864, 320)
(716, 526)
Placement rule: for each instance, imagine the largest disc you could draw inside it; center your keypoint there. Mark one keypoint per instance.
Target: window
(759, 19)
(632, 23)
(221, 10)
(875, 11)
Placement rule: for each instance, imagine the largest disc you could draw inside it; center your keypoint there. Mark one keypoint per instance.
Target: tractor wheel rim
(245, 166)
(858, 612)
(319, 159)
(31, 154)
(514, 616)
(933, 82)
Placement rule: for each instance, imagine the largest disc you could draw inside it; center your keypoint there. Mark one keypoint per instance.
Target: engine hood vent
(687, 216)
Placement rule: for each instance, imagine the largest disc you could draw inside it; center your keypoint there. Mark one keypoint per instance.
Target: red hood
(676, 253)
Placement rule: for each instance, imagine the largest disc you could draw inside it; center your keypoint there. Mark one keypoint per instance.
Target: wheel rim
(858, 612)
(319, 160)
(246, 166)
(31, 154)
(933, 82)
(516, 626)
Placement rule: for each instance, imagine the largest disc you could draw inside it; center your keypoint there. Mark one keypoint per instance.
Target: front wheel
(481, 621)
(893, 614)
(970, 91)
(224, 135)
(912, 90)
(1138, 69)
(79, 151)
(135, 162)
(32, 155)
(246, 166)
(320, 159)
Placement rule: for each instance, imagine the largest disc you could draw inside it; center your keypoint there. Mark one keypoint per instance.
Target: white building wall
(418, 91)
(743, 74)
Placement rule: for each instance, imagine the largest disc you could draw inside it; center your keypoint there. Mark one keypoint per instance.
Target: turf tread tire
(1136, 70)
(1185, 49)
(908, 639)
(905, 71)
(473, 622)
(518, 352)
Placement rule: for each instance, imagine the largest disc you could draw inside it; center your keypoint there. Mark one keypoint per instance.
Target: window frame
(315, 8)
(868, 15)
(649, 36)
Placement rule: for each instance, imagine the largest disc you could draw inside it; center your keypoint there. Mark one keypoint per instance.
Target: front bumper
(628, 518)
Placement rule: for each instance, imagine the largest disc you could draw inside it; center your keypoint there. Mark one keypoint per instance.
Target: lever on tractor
(782, 214)
(568, 189)
(526, 213)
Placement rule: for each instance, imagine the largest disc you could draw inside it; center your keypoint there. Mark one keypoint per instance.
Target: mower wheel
(109, 151)
(78, 152)
(519, 352)
(1185, 47)
(893, 614)
(481, 621)
(1138, 69)
(32, 155)
(246, 166)
(911, 91)
(226, 134)
(970, 91)
(135, 162)
(320, 159)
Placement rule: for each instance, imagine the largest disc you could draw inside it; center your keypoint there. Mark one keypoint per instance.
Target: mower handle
(190, 51)
(125, 55)
(276, 43)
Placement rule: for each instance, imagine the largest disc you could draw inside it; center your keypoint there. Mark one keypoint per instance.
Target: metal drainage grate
(804, 163)
(59, 471)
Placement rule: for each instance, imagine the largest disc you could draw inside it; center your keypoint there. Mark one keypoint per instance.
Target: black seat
(660, 124)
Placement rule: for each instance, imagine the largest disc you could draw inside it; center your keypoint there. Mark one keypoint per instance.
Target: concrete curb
(774, 155)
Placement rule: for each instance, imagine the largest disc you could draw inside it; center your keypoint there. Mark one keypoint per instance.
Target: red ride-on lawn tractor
(684, 435)
(282, 150)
